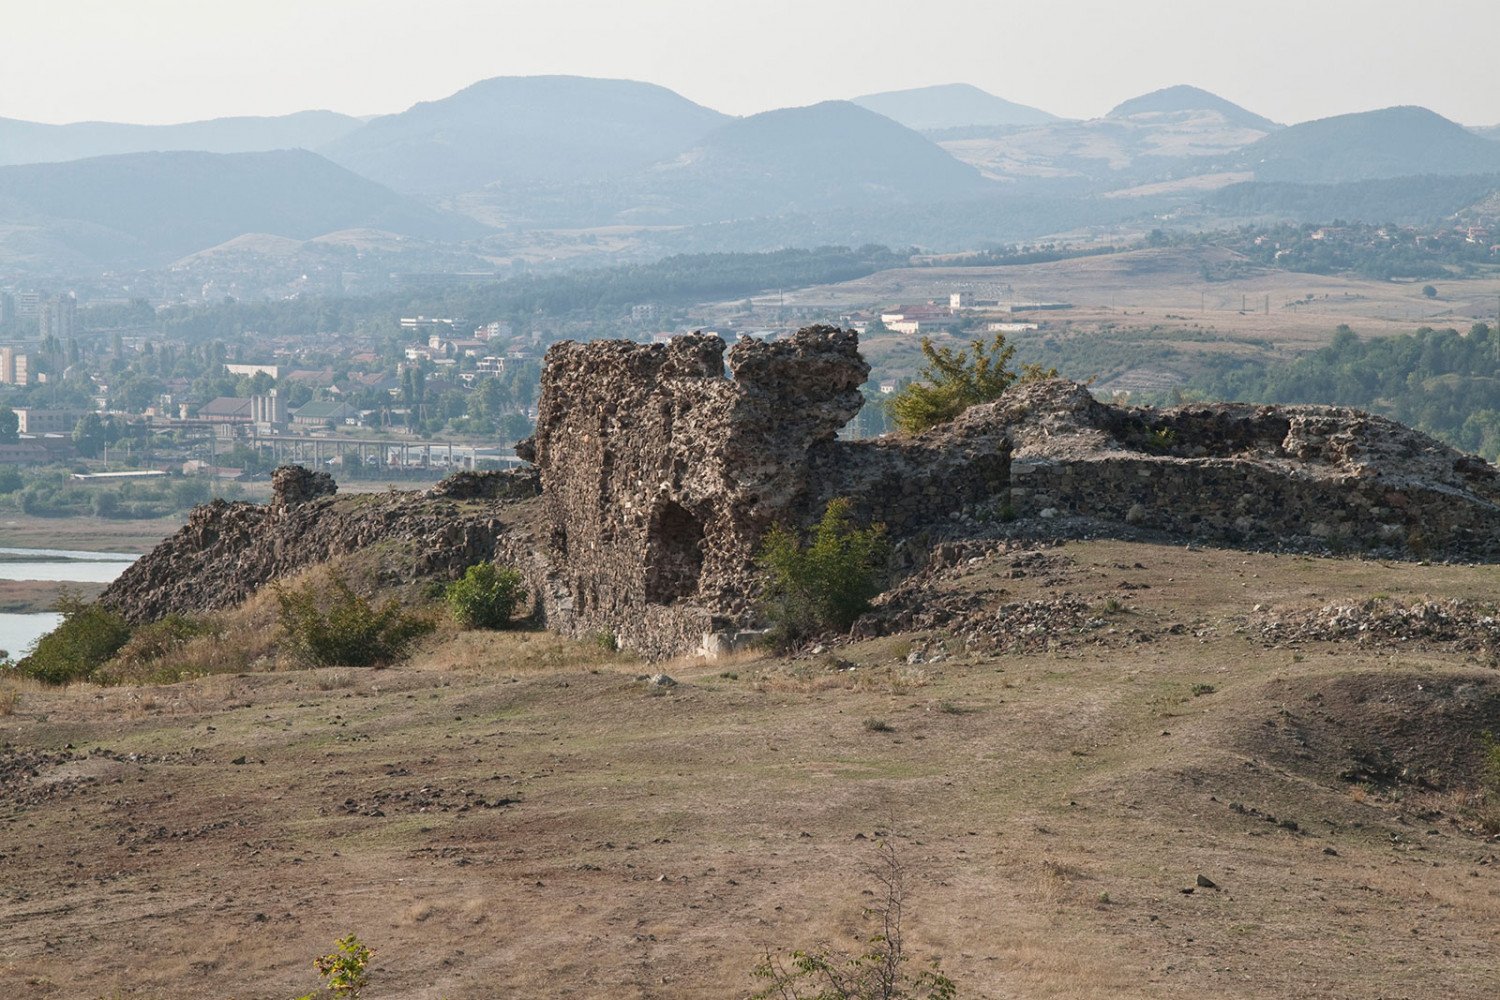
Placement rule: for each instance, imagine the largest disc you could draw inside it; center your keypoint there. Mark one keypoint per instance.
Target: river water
(18, 632)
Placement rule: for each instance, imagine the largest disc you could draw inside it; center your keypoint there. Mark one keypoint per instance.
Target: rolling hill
(1392, 142)
(1182, 98)
(829, 155)
(159, 206)
(524, 129)
(34, 142)
(951, 105)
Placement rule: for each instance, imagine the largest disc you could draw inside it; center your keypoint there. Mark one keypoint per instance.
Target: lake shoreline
(94, 534)
(36, 596)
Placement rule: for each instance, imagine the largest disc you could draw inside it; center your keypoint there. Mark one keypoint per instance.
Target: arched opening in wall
(674, 554)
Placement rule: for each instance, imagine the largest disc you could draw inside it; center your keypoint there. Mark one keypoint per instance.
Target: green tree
(954, 380)
(826, 583)
(486, 596)
(10, 426)
(89, 435)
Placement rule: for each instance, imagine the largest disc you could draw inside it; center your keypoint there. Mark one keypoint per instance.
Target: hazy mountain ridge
(1418, 200)
(566, 152)
(1187, 98)
(557, 129)
(34, 142)
(950, 106)
(1391, 142)
(150, 206)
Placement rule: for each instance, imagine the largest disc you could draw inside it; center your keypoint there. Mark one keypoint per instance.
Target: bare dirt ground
(514, 815)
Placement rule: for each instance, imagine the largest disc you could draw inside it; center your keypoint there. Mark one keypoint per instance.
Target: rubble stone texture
(292, 484)
(228, 551)
(660, 471)
(660, 475)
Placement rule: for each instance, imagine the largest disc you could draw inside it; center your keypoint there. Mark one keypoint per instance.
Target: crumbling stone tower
(660, 472)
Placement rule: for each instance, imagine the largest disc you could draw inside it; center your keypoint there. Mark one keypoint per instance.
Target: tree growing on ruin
(954, 380)
(825, 583)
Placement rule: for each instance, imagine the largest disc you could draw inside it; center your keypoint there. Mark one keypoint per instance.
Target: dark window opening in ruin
(674, 555)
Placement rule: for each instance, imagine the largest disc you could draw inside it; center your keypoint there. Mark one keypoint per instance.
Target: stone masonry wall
(660, 475)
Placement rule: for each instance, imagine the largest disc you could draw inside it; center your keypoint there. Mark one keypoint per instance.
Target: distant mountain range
(153, 207)
(566, 152)
(832, 155)
(1393, 142)
(952, 105)
(33, 142)
(560, 129)
(1184, 98)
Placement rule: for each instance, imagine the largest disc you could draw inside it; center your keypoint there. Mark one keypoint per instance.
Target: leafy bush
(87, 637)
(825, 584)
(141, 658)
(346, 968)
(345, 629)
(875, 973)
(952, 381)
(486, 596)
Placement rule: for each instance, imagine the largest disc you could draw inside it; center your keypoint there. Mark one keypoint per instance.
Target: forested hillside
(1441, 381)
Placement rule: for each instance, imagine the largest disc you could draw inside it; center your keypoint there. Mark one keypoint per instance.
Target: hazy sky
(176, 60)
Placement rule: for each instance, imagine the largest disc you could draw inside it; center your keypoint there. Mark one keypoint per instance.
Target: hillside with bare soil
(1079, 738)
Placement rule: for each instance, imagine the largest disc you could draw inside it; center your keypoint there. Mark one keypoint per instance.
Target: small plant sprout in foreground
(876, 972)
(345, 968)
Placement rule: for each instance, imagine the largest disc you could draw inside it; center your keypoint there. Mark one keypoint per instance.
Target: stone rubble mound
(1455, 624)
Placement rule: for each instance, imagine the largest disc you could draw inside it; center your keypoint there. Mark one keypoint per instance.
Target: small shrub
(825, 584)
(486, 596)
(877, 972)
(346, 968)
(879, 726)
(345, 629)
(139, 659)
(1199, 690)
(1161, 440)
(87, 637)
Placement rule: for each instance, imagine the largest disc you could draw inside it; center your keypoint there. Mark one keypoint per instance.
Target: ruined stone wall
(661, 476)
(660, 473)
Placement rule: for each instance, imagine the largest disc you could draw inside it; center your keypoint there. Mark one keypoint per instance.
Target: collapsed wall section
(660, 471)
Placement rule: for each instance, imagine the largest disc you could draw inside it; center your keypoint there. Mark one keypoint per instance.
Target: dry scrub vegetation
(514, 814)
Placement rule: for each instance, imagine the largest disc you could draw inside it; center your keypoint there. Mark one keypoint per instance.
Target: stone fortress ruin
(659, 468)
(661, 471)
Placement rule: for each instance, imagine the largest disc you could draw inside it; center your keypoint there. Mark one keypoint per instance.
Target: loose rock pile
(1458, 625)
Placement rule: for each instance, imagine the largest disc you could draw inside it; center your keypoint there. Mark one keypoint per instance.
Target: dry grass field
(514, 815)
(91, 534)
(1166, 287)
